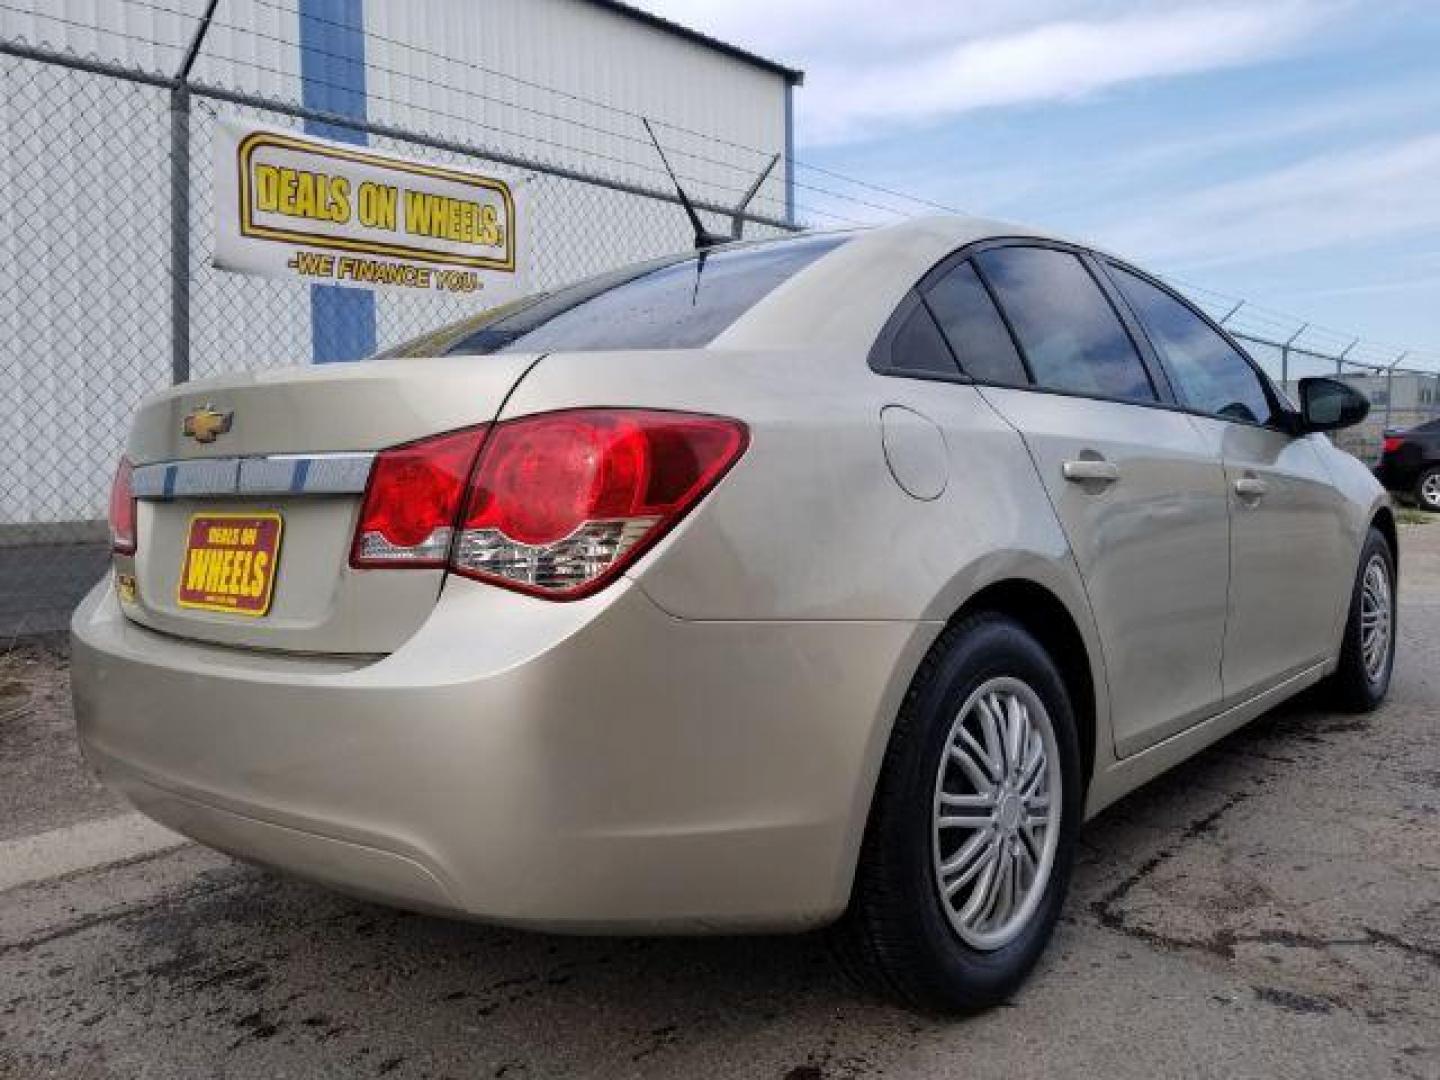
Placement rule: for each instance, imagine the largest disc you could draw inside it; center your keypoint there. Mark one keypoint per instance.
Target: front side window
(678, 303)
(1069, 333)
(1209, 373)
(968, 318)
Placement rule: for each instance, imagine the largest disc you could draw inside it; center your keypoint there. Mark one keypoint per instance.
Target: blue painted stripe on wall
(332, 74)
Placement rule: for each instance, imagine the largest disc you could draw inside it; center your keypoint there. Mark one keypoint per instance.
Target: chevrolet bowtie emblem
(205, 425)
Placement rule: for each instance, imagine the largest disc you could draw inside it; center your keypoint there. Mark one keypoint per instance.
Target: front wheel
(967, 855)
(1367, 653)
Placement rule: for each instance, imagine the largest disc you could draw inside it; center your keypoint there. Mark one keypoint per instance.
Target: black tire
(1352, 687)
(1423, 501)
(896, 936)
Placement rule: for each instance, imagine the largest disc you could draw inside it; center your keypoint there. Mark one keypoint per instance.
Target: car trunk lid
(249, 488)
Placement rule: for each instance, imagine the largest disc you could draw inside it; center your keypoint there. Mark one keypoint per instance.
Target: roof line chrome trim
(342, 473)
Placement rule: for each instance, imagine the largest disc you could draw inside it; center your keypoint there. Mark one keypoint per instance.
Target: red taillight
(1393, 443)
(414, 495)
(122, 510)
(558, 504)
(562, 502)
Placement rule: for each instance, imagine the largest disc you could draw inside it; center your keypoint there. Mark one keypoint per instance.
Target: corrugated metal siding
(442, 85)
(150, 37)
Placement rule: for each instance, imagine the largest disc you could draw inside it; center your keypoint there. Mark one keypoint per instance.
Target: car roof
(870, 273)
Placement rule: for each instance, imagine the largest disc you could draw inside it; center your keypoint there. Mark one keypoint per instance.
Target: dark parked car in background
(1410, 464)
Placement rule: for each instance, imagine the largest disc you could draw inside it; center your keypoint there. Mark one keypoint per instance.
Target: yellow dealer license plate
(230, 563)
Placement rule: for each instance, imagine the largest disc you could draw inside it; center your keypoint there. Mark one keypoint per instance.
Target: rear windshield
(680, 302)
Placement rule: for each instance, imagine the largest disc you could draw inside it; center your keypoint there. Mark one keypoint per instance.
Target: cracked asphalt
(1270, 909)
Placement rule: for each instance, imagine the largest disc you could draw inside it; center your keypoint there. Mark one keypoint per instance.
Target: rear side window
(911, 342)
(1211, 375)
(678, 304)
(974, 329)
(1071, 336)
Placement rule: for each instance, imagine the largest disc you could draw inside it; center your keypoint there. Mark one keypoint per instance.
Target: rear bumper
(591, 766)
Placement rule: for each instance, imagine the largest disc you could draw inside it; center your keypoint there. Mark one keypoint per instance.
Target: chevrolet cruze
(834, 579)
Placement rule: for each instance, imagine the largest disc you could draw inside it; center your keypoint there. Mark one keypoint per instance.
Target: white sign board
(296, 206)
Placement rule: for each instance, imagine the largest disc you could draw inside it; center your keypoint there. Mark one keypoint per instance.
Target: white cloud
(1361, 194)
(871, 68)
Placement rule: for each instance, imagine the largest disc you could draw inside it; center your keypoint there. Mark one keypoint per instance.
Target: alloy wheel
(996, 818)
(1430, 491)
(1376, 617)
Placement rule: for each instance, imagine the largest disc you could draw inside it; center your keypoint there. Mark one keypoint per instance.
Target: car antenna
(704, 238)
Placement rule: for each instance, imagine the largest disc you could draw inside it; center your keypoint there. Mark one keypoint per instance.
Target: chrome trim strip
(269, 474)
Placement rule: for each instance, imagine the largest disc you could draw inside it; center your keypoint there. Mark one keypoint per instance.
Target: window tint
(1071, 336)
(912, 342)
(973, 326)
(677, 304)
(1210, 375)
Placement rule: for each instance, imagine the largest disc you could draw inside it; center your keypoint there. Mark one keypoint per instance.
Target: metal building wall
(84, 195)
(458, 74)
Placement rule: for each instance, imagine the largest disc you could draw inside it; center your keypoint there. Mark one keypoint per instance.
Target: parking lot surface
(1270, 909)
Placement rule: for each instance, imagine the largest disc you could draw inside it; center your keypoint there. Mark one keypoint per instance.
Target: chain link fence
(1400, 397)
(106, 228)
(112, 294)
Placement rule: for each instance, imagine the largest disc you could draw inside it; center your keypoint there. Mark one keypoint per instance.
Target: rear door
(1290, 560)
(1140, 494)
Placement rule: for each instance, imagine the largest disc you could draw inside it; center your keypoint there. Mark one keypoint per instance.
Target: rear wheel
(1427, 490)
(968, 851)
(1367, 653)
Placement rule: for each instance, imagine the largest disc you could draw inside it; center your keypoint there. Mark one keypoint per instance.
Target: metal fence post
(180, 205)
(1340, 360)
(1390, 387)
(179, 233)
(1285, 356)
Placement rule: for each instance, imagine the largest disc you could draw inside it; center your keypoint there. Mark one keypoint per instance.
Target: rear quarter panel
(811, 523)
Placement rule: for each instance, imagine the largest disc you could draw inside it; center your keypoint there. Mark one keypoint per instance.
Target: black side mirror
(1329, 404)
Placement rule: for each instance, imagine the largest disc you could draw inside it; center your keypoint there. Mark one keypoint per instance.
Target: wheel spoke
(1033, 767)
(968, 802)
(1028, 865)
(1030, 842)
(990, 731)
(971, 767)
(962, 867)
(1015, 733)
(975, 819)
(990, 765)
(999, 876)
(1000, 906)
(981, 893)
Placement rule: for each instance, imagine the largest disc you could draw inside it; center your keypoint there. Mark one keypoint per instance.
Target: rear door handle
(1250, 489)
(1106, 472)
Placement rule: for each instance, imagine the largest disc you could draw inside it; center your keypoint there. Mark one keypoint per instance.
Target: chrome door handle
(1085, 469)
(1250, 489)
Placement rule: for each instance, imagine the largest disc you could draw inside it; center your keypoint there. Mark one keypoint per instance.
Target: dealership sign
(291, 205)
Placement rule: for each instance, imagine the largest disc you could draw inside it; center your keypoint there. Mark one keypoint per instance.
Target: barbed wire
(369, 66)
(1242, 316)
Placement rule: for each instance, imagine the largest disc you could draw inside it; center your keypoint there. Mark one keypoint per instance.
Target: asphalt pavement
(1270, 909)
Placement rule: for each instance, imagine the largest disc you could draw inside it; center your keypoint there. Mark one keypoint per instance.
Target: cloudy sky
(1283, 150)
